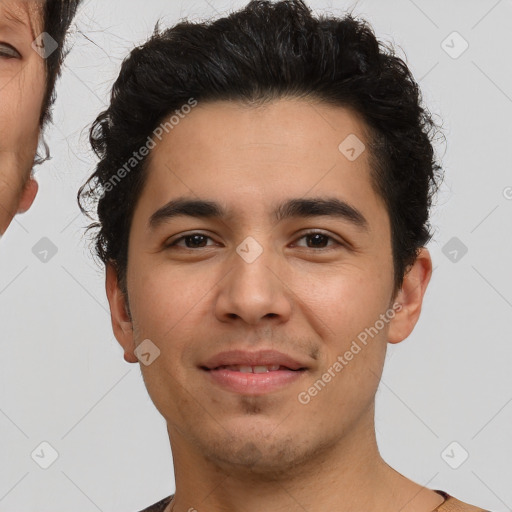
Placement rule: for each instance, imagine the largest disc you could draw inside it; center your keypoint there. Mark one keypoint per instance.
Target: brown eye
(192, 241)
(9, 52)
(318, 240)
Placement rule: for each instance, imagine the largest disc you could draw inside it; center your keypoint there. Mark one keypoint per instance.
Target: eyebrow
(292, 208)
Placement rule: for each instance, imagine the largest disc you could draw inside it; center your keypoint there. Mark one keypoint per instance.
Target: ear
(28, 195)
(121, 322)
(410, 296)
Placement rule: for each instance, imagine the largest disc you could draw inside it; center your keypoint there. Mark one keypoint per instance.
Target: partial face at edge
(308, 296)
(22, 90)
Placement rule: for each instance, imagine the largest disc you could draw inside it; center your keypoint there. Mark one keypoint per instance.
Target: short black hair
(263, 52)
(57, 18)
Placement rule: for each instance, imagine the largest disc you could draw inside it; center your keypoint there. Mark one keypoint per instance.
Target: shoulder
(452, 504)
(160, 506)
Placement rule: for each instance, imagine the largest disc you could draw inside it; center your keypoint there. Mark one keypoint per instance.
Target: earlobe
(28, 195)
(410, 297)
(121, 321)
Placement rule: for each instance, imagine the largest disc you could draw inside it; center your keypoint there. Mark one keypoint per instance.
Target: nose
(254, 291)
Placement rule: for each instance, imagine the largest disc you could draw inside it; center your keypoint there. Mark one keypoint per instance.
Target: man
(263, 196)
(32, 34)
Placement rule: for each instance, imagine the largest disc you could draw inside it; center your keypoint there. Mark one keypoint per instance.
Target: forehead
(257, 152)
(22, 13)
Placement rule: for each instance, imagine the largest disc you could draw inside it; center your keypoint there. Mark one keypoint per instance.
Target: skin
(235, 452)
(22, 89)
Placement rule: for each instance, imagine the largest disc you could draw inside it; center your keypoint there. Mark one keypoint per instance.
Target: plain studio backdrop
(444, 407)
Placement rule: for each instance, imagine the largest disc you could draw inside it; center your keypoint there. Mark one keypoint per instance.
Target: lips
(253, 369)
(253, 373)
(253, 362)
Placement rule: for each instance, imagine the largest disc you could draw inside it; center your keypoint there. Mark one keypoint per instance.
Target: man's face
(22, 89)
(308, 297)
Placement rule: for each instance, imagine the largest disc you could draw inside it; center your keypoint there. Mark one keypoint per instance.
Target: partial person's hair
(57, 18)
(259, 54)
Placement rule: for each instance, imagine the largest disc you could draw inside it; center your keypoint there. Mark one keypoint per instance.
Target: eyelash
(305, 235)
(9, 54)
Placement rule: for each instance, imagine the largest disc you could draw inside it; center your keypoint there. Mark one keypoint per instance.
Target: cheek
(22, 100)
(167, 308)
(167, 302)
(344, 308)
(344, 299)
(354, 347)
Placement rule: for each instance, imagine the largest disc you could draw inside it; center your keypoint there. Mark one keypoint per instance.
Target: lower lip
(254, 383)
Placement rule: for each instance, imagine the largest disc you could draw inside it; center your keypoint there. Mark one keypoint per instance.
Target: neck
(345, 476)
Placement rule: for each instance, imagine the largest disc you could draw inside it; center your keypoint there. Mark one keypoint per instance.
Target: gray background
(63, 379)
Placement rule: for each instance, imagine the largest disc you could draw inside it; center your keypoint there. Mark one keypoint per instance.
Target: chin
(268, 453)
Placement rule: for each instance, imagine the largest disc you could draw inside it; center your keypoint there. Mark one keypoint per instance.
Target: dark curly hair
(57, 18)
(264, 52)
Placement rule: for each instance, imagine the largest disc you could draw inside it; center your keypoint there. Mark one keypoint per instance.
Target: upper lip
(245, 358)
